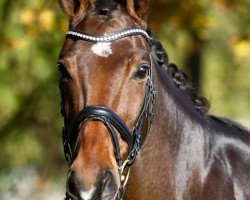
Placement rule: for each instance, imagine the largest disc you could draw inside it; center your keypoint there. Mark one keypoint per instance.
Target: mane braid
(179, 78)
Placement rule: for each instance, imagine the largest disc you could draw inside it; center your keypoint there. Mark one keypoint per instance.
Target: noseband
(111, 120)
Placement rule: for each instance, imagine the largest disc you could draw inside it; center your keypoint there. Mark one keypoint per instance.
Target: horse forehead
(105, 49)
(95, 58)
(90, 51)
(102, 49)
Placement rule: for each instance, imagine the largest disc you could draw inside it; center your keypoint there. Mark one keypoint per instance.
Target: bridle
(111, 120)
(108, 117)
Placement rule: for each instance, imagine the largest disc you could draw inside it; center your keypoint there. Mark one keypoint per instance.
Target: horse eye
(142, 72)
(104, 11)
(64, 74)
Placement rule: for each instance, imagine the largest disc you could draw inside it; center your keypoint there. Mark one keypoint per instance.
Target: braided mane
(179, 78)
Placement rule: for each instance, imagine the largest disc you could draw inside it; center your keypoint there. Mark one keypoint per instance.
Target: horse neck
(173, 151)
(178, 132)
(179, 125)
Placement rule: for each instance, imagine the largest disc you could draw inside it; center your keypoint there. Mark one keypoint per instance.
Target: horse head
(106, 89)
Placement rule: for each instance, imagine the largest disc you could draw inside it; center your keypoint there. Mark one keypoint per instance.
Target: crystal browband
(108, 38)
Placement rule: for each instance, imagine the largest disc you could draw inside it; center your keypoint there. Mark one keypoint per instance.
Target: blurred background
(209, 39)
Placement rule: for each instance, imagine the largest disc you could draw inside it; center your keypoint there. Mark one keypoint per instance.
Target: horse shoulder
(228, 164)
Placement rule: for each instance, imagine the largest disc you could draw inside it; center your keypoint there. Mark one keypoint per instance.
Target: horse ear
(74, 8)
(138, 10)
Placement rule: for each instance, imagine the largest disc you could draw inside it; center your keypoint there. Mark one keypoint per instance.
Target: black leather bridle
(111, 120)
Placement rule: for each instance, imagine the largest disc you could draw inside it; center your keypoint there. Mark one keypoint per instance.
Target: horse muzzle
(106, 187)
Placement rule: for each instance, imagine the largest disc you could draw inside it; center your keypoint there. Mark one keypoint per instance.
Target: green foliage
(30, 107)
(219, 31)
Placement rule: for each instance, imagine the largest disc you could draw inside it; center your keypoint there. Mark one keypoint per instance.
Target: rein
(111, 120)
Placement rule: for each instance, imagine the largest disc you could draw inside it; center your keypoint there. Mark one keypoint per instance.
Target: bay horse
(133, 127)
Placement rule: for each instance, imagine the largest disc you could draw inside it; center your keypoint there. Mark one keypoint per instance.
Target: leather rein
(111, 120)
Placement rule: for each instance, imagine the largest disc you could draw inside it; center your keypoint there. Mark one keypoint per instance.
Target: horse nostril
(109, 185)
(107, 176)
(106, 179)
(73, 185)
(106, 188)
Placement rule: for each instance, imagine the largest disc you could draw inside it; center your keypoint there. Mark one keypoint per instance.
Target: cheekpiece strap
(108, 38)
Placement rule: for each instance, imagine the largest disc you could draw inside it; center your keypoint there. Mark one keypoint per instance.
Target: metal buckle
(124, 178)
